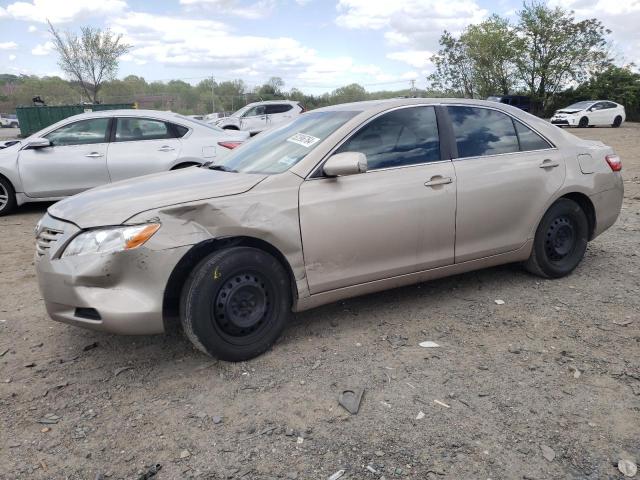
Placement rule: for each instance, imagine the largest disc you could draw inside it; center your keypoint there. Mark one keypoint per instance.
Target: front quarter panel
(268, 212)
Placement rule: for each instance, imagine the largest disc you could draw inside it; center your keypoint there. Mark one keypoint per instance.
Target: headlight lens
(109, 240)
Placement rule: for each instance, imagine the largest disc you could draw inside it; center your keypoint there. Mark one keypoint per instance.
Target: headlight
(109, 240)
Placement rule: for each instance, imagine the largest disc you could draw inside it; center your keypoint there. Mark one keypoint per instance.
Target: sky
(313, 45)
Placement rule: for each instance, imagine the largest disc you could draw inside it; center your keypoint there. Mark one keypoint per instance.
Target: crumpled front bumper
(118, 293)
(568, 120)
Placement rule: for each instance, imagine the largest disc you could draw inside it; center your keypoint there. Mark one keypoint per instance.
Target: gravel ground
(9, 133)
(546, 385)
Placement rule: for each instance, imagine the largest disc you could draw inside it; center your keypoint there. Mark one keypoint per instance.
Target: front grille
(45, 239)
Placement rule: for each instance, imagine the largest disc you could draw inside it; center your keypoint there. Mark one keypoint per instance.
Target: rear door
(141, 146)
(76, 161)
(506, 173)
(397, 218)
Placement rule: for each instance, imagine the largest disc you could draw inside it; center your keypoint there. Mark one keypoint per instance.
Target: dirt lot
(546, 385)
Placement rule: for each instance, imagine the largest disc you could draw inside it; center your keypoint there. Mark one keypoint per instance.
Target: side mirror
(36, 143)
(346, 163)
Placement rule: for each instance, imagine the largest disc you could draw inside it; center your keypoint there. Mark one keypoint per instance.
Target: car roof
(373, 105)
(267, 102)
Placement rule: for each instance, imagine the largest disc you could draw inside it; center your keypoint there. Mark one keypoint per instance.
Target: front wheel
(583, 123)
(617, 122)
(7, 197)
(561, 240)
(236, 303)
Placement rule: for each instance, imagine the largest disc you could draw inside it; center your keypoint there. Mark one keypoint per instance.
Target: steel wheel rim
(243, 305)
(4, 197)
(560, 240)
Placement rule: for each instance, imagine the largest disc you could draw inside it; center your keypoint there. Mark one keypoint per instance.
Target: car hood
(115, 203)
(569, 111)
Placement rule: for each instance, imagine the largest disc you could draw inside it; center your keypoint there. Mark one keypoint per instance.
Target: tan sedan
(343, 201)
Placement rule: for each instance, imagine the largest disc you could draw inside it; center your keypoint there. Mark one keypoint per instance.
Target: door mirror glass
(35, 143)
(346, 163)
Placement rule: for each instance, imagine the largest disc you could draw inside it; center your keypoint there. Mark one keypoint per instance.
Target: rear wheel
(617, 122)
(583, 123)
(14, 125)
(560, 241)
(236, 303)
(7, 197)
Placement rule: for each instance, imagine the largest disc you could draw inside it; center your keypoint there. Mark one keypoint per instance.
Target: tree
(553, 49)
(491, 47)
(91, 58)
(454, 67)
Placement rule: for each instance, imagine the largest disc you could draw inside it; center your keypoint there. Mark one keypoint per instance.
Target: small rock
(185, 454)
(45, 429)
(420, 415)
(290, 432)
(499, 302)
(216, 419)
(429, 344)
(299, 440)
(292, 475)
(548, 453)
(576, 372)
(29, 365)
(379, 453)
(514, 350)
(627, 467)
(336, 475)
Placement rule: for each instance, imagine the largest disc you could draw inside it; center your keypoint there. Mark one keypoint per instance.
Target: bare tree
(90, 58)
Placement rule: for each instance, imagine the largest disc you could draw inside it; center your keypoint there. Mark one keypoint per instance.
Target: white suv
(259, 116)
(8, 121)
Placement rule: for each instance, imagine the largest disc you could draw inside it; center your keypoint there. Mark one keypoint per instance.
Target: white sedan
(590, 113)
(92, 149)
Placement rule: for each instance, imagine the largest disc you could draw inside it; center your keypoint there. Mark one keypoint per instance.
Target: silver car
(343, 201)
(92, 149)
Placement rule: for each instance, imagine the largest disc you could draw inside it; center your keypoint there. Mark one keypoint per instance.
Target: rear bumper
(118, 293)
(607, 205)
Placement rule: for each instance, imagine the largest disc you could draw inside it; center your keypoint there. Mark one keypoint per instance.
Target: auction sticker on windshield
(303, 139)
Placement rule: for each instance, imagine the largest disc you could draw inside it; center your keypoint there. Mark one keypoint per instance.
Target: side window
(530, 140)
(407, 136)
(481, 131)
(133, 129)
(597, 106)
(255, 111)
(84, 132)
(180, 130)
(610, 105)
(271, 109)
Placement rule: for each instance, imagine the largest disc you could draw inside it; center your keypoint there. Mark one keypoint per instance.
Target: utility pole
(213, 98)
(413, 88)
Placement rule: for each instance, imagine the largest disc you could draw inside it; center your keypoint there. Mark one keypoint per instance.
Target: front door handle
(549, 164)
(438, 180)
(165, 148)
(94, 155)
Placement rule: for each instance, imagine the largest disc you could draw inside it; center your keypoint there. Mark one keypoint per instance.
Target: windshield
(579, 106)
(276, 151)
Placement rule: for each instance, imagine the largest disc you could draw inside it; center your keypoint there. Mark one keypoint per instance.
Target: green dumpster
(33, 119)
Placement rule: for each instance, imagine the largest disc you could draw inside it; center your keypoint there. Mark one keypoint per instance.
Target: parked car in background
(376, 194)
(9, 121)
(91, 149)
(590, 113)
(258, 116)
(519, 101)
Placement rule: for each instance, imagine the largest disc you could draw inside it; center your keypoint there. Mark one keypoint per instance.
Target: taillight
(230, 145)
(614, 162)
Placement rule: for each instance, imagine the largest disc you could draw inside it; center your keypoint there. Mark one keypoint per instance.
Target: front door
(506, 174)
(76, 161)
(141, 146)
(397, 218)
(254, 120)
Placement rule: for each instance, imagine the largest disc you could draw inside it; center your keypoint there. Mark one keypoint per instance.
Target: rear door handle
(549, 164)
(438, 180)
(93, 155)
(165, 148)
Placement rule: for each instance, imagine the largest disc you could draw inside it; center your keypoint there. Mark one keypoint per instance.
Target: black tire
(583, 123)
(235, 303)
(7, 197)
(14, 125)
(561, 240)
(617, 122)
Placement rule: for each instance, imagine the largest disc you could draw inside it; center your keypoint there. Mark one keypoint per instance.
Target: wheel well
(171, 300)
(230, 127)
(184, 165)
(8, 181)
(587, 207)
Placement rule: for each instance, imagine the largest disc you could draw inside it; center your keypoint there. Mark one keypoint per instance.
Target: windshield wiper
(222, 168)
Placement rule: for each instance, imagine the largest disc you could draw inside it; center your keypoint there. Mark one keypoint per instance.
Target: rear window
(482, 131)
(280, 108)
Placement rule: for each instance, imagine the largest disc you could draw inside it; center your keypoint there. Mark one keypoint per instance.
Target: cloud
(415, 58)
(42, 49)
(3, 13)
(258, 9)
(32, 29)
(12, 57)
(63, 12)
(8, 45)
